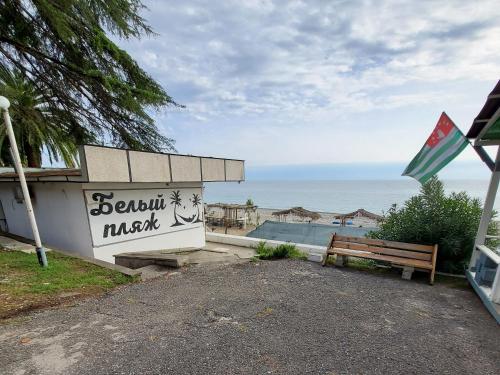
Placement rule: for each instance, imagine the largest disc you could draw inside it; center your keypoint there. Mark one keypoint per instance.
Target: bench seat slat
(384, 243)
(395, 260)
(383, 250)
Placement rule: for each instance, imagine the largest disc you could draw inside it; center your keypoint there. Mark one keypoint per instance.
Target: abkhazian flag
(443, 145)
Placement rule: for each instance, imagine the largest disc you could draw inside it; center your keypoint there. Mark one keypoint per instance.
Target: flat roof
(108, 164)
(41, 172)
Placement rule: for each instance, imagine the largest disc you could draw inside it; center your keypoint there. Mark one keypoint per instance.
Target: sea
(334, 195)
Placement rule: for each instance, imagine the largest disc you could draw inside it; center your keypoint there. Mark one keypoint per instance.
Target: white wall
(186, 238)
(60, 212)
(63, 222)
(193, 237)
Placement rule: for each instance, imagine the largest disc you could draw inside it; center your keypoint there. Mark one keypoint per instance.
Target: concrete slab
(213, 169)
(12, 244)
(235, 170)
(185, 168)
(240, 252)
(176, 258)
(149, 167)
(105, 164)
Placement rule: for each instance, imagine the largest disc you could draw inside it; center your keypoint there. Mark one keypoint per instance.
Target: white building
(118, 201)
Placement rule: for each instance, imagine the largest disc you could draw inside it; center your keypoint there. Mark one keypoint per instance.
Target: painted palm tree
(196, 200)
(38, 127)
(175, 199)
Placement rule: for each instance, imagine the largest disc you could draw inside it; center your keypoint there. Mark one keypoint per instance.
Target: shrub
(434, 218)
(279, 252)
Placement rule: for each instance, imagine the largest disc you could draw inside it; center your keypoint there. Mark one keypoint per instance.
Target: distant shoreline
(332, 197)
(262, 214)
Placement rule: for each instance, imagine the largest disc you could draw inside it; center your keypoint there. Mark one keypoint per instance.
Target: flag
(443, 145)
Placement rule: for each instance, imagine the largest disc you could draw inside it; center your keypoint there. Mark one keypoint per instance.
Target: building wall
(188, 238)
(60, 212)
(182, 238)
(63, 220)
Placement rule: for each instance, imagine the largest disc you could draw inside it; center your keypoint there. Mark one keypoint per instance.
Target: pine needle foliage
(64, 48)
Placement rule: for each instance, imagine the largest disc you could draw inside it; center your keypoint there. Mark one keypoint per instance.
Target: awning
(486, 126)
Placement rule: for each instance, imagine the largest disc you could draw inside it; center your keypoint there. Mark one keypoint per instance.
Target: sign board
(122, 215)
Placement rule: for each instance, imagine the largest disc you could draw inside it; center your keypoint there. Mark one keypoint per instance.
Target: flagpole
(40, 252)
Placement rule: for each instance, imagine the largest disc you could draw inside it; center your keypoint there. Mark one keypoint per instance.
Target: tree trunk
(33, 156)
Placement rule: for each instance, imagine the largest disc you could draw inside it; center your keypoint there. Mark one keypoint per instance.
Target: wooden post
(434, 258)
(487, 209)
(485, 157)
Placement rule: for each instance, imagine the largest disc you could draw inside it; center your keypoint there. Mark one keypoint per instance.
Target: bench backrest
(383, 247)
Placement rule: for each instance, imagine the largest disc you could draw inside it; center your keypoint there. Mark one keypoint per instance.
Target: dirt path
(280, 317)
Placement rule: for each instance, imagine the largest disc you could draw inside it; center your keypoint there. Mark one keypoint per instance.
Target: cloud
(313, 66)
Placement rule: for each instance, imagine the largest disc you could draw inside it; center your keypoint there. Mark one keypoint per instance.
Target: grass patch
(357, 263)
(282, 251)
(25, 285)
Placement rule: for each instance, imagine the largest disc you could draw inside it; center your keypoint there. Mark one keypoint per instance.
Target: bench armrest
(434, 256)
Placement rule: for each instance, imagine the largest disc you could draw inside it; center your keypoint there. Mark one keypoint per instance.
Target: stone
(407, 272)
(340, 260)
(314, 257)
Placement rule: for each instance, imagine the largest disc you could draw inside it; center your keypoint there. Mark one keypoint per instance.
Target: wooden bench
(410, 256)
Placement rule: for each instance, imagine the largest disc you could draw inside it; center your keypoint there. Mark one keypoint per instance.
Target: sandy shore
(262, 214)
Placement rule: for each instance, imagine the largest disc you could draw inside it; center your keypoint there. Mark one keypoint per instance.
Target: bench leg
(325, 259)
(407, 272)
(341, 261)
(431, 281)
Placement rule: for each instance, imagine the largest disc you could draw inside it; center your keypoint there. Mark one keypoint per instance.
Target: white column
(4, 104)
(487, 210)
(495, 288)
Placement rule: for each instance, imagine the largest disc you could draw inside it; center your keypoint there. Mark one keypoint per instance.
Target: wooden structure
(227, 215)
(297, 211)
(484, 270)
(410, 256)
(360, 212)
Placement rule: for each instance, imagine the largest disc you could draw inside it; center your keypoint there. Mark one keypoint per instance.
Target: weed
(279, 252)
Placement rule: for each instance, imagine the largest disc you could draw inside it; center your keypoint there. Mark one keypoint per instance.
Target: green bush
(279, 252)
(434, 218)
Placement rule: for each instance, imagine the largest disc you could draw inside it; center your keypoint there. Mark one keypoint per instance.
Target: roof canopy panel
(493, 132)
(486, 125)
(298, 211)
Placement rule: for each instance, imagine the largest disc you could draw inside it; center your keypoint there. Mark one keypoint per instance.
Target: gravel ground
(280, 317)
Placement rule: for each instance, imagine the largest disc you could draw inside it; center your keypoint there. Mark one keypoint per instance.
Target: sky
(283, 83)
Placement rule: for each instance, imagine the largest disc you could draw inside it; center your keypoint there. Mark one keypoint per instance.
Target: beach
(327, 198)
(260, 215)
